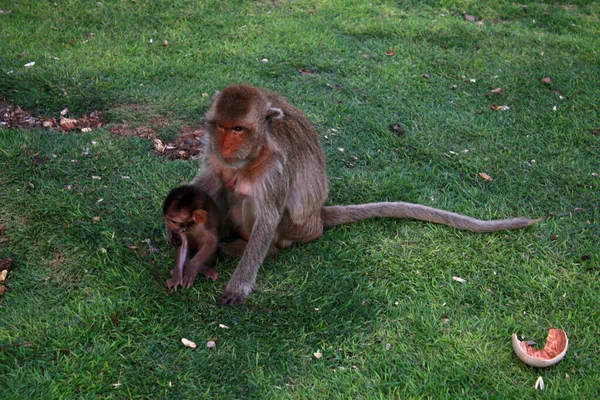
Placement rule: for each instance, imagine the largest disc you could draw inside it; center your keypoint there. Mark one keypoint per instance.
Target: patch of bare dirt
(187, 145)
(15, 117)
(2, 237)
(143, 131)
(5, 264)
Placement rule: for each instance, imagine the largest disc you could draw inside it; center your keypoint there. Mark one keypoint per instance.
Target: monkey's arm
(177, 272)
(268, 210)
(209, 177)
(198, 262)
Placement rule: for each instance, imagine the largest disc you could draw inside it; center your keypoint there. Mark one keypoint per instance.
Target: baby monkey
(192, 217)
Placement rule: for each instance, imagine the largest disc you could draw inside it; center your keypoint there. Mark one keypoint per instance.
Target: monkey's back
(303, 159)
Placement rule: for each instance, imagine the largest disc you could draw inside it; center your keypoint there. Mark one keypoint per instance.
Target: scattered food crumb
(485, 176)
(188, 343)
(498, 108)
(539, 384)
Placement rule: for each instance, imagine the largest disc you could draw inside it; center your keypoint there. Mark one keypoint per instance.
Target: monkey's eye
(238, 129)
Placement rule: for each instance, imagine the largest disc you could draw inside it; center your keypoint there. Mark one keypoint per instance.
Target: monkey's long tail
(337, 215)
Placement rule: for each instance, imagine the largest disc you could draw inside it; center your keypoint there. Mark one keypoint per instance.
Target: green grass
(87, 316)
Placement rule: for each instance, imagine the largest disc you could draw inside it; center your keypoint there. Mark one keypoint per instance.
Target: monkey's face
(234, 140)
(238, 124)
(179, 221)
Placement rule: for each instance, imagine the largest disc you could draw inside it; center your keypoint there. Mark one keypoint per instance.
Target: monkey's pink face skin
(178, 223)
(231, 136)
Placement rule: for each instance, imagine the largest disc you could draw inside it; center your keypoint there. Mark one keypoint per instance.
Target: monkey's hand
(189, 275)
(235, 293)
(175, 280)
(173, 240)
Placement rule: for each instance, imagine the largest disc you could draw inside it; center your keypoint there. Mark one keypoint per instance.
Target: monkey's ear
(274, 113)
(199, 216)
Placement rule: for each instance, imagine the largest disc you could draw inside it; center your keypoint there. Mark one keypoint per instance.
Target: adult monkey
(264, 165)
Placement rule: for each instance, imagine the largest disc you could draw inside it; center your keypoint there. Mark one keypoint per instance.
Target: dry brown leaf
(457, 279)
(485, 176)
(546, 80)
(3, 275)
(96, 219)
(67, 123)
(468, 17)
(2, 289)
(389, 53)
(210, 344)
(318, 355)
(498, 108)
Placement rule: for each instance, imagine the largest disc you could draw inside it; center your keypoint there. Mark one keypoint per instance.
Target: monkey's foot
(210, 273)
(235, 293)
(174, 282)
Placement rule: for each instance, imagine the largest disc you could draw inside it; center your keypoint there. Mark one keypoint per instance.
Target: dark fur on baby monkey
(265, 167)
(192, 220)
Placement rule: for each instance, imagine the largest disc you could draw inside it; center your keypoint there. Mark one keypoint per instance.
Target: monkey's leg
(180, 257)
(197, 263)
(236, 248)
(266, 219)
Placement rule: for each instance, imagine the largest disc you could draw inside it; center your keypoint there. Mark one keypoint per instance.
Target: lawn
(485, 108)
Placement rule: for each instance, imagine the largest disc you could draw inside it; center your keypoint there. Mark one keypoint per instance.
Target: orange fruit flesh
(555, 344)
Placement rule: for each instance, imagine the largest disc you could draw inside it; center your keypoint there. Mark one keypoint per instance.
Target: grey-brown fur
(284, 203)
